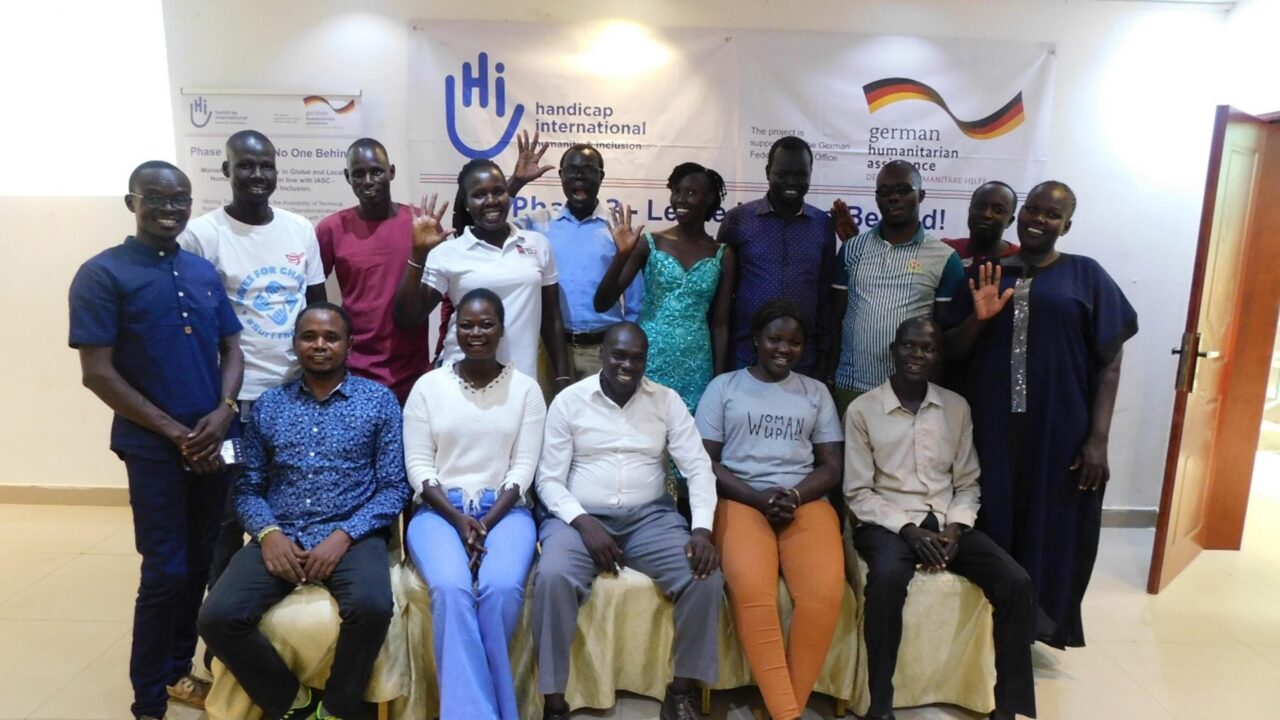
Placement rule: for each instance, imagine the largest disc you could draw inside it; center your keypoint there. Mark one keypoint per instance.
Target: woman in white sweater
(472, 435)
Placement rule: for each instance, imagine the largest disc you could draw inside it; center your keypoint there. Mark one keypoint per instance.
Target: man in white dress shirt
(602, 476)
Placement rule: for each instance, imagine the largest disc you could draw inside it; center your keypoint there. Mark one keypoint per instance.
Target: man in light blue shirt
(581, 238)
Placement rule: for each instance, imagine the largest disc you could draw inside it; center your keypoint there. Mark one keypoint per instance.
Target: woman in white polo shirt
(472, 536)
(491, 253)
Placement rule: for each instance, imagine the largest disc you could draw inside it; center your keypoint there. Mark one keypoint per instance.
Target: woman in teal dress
(688, 281)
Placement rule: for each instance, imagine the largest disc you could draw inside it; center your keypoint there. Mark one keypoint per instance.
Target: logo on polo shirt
(915, 266)
(294, 258)
(526, 249)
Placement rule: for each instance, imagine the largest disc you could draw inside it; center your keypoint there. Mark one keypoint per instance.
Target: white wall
(1133, 109)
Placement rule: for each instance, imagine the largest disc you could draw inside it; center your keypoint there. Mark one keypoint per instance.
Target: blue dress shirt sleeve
(391, 493)
(251, 502)
(95, 307)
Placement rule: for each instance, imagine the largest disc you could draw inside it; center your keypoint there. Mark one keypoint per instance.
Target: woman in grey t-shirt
(776, 446)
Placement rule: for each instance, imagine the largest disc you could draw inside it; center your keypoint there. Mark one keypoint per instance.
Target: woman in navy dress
(1044, 335)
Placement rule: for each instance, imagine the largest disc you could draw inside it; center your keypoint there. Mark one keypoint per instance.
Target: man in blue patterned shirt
(324, 478)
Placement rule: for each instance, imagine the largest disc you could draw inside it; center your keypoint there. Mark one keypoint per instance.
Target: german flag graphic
(310, 100)
(891, 90)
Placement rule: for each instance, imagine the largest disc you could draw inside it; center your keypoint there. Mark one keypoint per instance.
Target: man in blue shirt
(323, 480)
(582, 239)
(159, 344)
(785, 249)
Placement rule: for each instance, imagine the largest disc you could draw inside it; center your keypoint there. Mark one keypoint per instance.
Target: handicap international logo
(476, 89)
(310, 100)
(200, 107)
(891, 90)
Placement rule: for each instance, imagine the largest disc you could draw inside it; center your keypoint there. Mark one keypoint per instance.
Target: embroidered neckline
(467, 387)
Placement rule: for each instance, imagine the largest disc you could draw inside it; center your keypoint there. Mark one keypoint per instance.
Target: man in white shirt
(602, 476)
(270, 266)
(911, 479)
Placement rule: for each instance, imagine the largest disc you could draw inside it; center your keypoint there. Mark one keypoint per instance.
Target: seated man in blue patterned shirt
(324, 478)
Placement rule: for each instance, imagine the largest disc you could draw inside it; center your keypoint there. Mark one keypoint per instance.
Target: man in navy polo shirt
(159, 344)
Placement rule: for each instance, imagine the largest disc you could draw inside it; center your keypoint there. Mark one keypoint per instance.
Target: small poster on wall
(311, 133)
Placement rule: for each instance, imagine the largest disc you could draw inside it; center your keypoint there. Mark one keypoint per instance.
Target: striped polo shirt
(887, 284)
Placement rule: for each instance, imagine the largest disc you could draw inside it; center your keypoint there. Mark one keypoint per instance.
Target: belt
(584, 338)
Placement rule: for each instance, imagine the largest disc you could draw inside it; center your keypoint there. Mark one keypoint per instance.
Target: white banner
(966, 111)
(311, 134)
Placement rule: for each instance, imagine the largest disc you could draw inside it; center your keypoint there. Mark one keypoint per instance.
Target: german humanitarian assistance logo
(891, 90)
(312, 100)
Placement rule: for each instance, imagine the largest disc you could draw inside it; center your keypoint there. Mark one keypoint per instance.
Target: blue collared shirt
(315, 466)
(583, 250)
(163, 313)
(781, 257)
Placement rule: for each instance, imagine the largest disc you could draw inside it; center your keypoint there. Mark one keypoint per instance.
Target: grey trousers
(652, 538)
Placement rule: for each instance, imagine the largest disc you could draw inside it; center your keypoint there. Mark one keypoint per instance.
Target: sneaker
(306, 712)
(189, 690)
(323, 714)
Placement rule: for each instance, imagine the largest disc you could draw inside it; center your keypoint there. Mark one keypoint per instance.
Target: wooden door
(1216, 418)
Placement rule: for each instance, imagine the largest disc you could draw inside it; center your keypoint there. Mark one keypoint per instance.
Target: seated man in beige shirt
(911, 479)
(602, 476)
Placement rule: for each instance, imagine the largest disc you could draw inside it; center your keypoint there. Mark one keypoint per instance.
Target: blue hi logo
(198, 107)
(478, 83)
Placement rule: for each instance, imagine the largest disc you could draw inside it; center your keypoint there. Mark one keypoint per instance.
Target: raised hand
(528, 168)
(624, 237)
(988, 301)
(428, 228)
(846, 226)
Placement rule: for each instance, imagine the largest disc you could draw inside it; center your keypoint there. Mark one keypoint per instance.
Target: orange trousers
(810, 555)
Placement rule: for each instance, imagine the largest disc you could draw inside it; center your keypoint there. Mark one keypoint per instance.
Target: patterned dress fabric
(674, 316)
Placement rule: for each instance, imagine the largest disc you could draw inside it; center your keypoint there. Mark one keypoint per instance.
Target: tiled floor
(1208, 647)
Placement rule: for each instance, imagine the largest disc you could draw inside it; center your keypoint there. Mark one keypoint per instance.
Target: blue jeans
(472, 619)
(175, 520)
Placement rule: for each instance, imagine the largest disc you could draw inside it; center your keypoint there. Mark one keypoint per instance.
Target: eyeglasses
(899, 190)
(585, 172)
(159, 202)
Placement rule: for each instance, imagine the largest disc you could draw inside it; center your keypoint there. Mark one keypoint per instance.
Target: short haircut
(328, 306)
(367, 142)
(915, 172)
(1006, 186)
(136, 175)
(461, 216)
(1058, 184)
(790, 143)
(582, 148)
(485, 295)
(776, 310)
(243, 136)
(918, 320)
(623, 325)
(684, 170)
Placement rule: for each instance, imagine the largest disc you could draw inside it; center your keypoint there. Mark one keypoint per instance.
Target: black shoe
(306, 712)
(549, 714)
(679, 706)
(885, 716)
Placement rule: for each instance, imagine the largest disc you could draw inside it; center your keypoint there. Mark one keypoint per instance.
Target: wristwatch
(231, 403)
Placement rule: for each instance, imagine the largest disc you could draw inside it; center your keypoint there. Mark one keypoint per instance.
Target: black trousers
(361, 583)
(890, 566)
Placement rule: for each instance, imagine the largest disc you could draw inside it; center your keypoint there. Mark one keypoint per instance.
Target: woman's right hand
(988, 301)
(624, 237)
(428, 228)
(472, 533)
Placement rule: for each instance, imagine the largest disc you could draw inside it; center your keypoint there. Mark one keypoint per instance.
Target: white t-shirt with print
(265, 270)
(516, 272)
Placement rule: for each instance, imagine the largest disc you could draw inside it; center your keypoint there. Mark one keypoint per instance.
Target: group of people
(715, 404)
